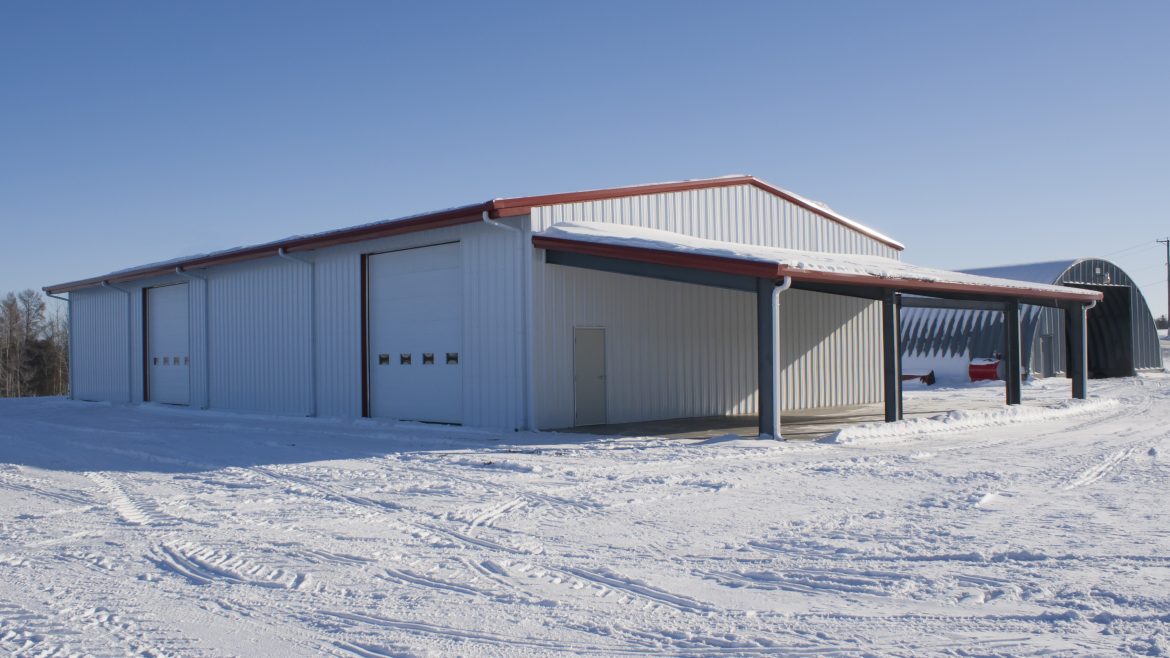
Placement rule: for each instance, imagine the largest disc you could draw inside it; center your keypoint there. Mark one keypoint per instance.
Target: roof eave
(772, 270)
(442, 219)
(496, 208)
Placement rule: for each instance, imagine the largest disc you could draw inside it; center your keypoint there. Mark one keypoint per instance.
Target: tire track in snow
(135, 509)
(385, 508)
(606, 579)
(65, 631)
(204, 565)
(129, 631)
(327, 492)
(1100, 470)
(24, 632)
(441, 586)
(467, 635)
(489, 517)
(637, 643)
(39, 487)
(814, 581)
(559, 506)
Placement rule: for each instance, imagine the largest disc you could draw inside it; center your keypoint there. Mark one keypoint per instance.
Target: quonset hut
(721, 296)
(1121, 340)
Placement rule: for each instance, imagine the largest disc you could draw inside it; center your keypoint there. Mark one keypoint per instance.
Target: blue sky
(978, 133)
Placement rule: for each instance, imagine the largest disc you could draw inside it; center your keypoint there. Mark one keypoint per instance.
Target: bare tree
(10, 342)
(57, 333)
(34, 348)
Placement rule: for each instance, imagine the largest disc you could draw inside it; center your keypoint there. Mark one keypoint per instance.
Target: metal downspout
(69, 310)
(524, 363)
(129, 342)
(1080, 379)
(528, 253)
(785, 285)
(312, 323)
(206, 333)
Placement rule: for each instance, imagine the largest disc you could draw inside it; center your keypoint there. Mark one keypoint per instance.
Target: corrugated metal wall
(1147, 349)
(737, 213)
(946, 333)
(98, 329)
(259, 340)
(199, 343)
(676, 350)
(339, 336)
(943, 333)
(261, 323)
(830, 350)
(672, 349)
(680, 350)
(492, 312)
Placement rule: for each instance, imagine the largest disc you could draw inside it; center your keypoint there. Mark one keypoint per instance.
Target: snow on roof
(1046, 272)
(792, 261)
(505, 207)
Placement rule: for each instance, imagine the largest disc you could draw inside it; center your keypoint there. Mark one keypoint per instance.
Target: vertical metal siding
(99, 334)
(1147, 351)
(673, 349)
(949, 332)
(198, 333)
(492, 332)
(339, 334)
(259, 338)
(739, 213)
(827, 353)
(492, 338)
(680, 350)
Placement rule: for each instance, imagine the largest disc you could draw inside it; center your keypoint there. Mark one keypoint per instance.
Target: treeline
(34, 347)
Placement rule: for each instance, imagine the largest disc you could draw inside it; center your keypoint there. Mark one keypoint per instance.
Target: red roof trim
(524, 205)
(764, 269)
(463, 215)
(455, 217)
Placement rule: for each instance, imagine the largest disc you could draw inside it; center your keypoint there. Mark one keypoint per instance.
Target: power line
(1145, 269)
(1146, 244)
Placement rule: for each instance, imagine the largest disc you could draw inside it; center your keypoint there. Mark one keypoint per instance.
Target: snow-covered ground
(155, 531)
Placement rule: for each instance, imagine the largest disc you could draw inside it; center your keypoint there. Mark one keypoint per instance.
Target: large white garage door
(416, 334)
(168, 355)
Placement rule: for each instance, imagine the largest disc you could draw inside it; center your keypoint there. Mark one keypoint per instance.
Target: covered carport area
(767, 272)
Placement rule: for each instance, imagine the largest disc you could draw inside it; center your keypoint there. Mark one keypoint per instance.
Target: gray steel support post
(892, 355)
(766, 373)
(1078, 361)
(1011, 321)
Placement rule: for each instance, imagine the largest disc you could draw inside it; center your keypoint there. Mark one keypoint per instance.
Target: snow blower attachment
(993, 369)
(927, 379)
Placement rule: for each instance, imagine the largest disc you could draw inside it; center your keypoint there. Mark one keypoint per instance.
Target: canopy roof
(816, 270)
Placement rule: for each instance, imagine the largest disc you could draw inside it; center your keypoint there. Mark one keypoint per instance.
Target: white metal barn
(675, 300)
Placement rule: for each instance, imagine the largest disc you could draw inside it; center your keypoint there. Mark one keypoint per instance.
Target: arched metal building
(1121, 334)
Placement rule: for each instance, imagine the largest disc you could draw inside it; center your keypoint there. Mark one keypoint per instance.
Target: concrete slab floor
(801, 426)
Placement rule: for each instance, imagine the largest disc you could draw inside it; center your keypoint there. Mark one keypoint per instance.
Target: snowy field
(155, 531)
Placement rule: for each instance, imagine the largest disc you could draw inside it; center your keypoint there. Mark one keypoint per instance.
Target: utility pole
(1167, 243)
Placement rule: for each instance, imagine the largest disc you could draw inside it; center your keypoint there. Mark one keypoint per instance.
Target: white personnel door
(415, 333)
(168, 346)
(589, 376)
